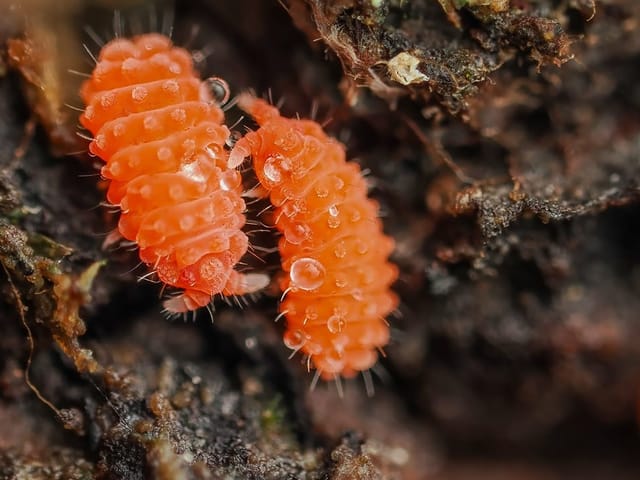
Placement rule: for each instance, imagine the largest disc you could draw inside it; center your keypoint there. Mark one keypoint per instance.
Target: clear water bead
(294, 339)
(273, 169)
(307, 274)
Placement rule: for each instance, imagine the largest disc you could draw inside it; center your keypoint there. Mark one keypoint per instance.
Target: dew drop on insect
(230, 180)
(219, 89)
(355, 216)
(333, 211)
(335, 323)
(340, 250)
(307, 274)
(357, 295)
(294, 339)
(272, 169)
(175, 68)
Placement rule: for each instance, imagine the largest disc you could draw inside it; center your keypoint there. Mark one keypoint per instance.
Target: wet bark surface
(503, 141)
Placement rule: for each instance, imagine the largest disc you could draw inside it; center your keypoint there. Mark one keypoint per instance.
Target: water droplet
(307, 274)
(272, 169)
(357, 294)
(230, 180)
(362, 247)
(338, 183)
(294, 339)
(355, 216)
(333, 211)
(219, 89)
(340, 250)
(335, 323)
(175, 68)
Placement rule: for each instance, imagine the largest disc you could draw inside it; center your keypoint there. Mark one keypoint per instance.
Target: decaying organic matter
(503, 140)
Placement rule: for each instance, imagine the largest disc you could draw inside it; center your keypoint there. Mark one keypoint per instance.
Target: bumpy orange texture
(332, 247)
(160, 133)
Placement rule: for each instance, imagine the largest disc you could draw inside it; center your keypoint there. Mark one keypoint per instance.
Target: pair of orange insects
(161, 134)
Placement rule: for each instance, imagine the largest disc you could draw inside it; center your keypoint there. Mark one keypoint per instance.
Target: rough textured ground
(503, 140)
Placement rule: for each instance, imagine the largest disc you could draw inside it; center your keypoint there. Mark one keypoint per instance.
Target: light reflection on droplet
(307, 274)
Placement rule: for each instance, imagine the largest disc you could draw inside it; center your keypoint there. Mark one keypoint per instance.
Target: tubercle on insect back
(158, 129)
(332, 248)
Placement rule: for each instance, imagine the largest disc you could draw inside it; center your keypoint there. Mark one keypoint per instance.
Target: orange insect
(160, 132)
(332, 247)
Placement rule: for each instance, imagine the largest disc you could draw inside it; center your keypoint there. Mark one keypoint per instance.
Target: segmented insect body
(160, 132)
(332, 246)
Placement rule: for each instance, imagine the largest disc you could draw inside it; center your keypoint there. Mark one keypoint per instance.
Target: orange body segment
(333, 249)
(160, 133)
